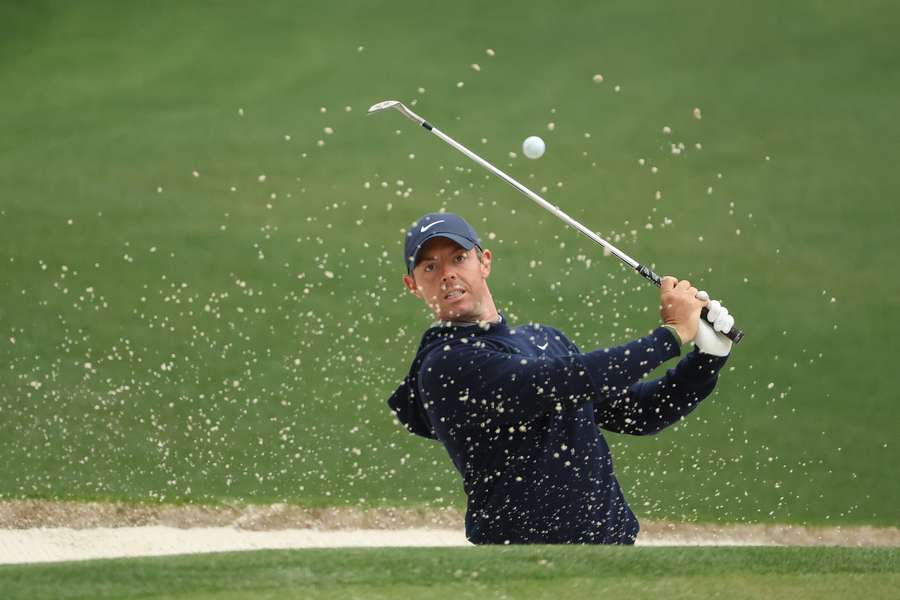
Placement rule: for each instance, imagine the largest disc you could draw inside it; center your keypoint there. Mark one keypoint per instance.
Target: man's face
(451, 280)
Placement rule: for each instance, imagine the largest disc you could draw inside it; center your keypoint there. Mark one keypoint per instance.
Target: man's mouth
(454, 294)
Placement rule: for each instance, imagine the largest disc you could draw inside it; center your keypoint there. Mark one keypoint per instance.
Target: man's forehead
(436, 245)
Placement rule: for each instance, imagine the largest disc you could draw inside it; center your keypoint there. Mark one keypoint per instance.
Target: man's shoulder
(452, 345)
(462, 342)
(534, 328)
(489, 337)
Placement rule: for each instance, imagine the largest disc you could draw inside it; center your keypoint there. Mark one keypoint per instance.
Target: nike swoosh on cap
(427, 227)
(542, 347)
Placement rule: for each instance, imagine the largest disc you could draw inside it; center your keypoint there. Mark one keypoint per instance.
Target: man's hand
(680, 307)
(709, 339)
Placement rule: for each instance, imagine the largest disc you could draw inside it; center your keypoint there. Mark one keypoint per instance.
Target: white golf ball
(533, 147)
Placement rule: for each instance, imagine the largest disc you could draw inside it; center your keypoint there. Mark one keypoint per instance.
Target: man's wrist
(674, 333)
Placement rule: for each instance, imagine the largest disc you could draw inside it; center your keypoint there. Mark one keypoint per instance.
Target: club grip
(734, 334)
(648, 274)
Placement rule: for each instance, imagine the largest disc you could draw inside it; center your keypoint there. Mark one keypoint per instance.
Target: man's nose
(447, 272)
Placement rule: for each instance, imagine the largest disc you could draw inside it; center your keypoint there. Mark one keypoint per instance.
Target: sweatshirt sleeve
(647, 407)
(482, 384)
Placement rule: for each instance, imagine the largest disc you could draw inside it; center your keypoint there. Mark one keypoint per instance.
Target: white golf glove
(709, 339)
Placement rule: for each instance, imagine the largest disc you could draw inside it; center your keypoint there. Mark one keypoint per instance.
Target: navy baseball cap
(432, 225)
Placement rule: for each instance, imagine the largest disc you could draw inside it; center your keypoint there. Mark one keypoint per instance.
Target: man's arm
(648, 407)
(481, 384)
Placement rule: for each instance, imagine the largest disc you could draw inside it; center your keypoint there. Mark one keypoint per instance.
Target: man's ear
(486, 257)
(410, 284)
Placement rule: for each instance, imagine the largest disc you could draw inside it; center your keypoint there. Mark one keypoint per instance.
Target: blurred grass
(275, 373)
(487, 572)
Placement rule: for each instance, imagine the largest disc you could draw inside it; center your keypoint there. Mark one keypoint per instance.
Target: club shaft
(735, 334)
(555, 210)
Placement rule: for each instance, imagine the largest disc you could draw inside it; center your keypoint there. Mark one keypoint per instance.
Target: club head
(383, 106)
(387, 104)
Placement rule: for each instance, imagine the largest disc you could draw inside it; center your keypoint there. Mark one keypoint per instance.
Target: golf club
(735, 334)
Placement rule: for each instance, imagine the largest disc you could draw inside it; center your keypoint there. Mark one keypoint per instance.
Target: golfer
(520, 408)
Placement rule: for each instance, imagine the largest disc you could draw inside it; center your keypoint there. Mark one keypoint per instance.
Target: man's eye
(461, 257)
(428, 268)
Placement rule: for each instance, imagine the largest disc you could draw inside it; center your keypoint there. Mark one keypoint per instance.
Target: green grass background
(232, 336)
(490, 572)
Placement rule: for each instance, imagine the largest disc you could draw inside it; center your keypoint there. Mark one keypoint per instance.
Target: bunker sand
(47, 531)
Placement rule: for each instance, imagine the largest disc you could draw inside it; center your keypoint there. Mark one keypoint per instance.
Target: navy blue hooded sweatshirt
(519, 412)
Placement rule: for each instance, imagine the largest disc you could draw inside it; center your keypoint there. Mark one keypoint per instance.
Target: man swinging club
(520, 409)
